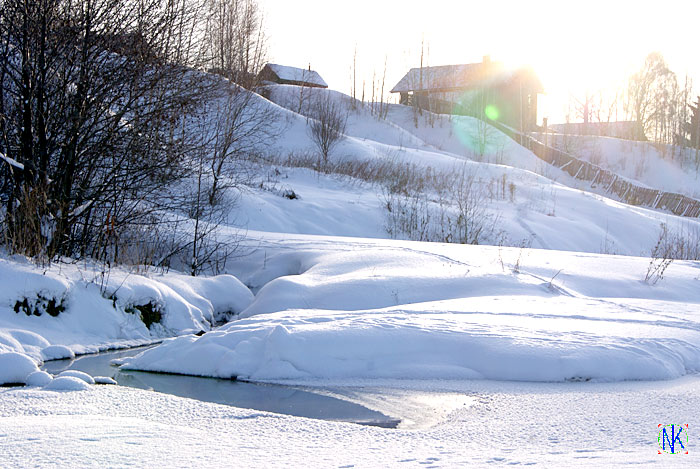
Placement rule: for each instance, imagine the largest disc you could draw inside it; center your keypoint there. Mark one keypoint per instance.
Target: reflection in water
(264, 397)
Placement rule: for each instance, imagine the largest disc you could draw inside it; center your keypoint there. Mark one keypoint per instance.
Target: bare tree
(241, 125)
(381, 96)
(327, 126)
(235, 44)
(648, 95)
(89, 92)
(473, 224)
(585, 109)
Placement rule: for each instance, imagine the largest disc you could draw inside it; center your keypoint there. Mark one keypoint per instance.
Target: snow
(548, 208)
(216, 296)
(39, 378)
(67, 383)
(56, 352)
(562, 425)
(557, 355)
(17, 340)
(653, 165)
(542, 215)
(78, 374)
(448, 77)
(375, 309)
(99, 312)
(104, 380)
(15, 367)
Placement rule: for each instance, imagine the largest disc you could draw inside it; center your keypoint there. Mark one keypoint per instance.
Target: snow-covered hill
(657, 166)
(524, 200)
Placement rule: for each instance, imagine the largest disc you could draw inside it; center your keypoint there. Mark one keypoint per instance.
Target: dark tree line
(97, 101)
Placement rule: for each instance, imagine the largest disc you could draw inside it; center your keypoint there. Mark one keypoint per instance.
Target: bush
(422, 204)
(661, 258)
(40, 305)
(327, 126)
(150, 313)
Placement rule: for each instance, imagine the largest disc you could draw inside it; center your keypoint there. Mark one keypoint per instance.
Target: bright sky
(573, 46)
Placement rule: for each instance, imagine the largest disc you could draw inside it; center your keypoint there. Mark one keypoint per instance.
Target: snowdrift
(431, 311)
(63, 310)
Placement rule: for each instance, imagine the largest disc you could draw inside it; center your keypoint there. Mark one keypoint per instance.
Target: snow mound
(67, 383)
(430, 342)
(26, 342)
(78, 374)
(98, 314)
(39, 378)
(15, 368)
(217, 297)
(57, 352)
(430, 311)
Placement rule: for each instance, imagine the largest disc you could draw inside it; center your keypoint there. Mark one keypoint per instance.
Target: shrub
(150, 313)
(660, 258)
(327, 126)
(40, 305)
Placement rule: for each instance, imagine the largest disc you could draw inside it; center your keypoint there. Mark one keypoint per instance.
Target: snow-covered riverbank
(339, 308)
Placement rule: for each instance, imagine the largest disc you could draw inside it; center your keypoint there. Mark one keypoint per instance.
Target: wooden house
(284, 75)
(486, 90)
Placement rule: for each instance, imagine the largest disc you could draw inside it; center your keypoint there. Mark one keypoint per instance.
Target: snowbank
(67, 383)
(15, 368)
(63, 310)
(430, 311)
(39, 378)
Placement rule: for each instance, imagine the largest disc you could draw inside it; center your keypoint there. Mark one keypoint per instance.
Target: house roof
(455, 77)
(297, 74)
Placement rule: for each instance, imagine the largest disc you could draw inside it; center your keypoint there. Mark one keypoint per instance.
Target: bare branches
(89, 99)
(649, 93)
(327, 126)
(235, 44)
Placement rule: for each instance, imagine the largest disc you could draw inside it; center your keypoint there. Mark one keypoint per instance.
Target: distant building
(695, 124)
(283, 75)
(484, 89)
(628, 130)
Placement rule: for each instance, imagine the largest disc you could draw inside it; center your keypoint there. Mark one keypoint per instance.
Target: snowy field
(502, 424)
(532, 203)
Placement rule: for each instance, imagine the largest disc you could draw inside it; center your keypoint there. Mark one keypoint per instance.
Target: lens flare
(470, 116)
(492, 112)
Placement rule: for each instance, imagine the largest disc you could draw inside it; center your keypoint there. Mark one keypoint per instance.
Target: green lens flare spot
(491, 112)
